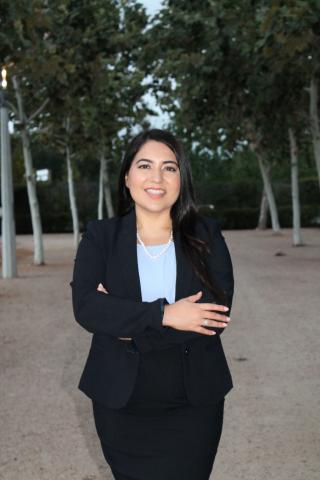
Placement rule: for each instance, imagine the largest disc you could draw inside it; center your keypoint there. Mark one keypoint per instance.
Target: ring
(205, 322)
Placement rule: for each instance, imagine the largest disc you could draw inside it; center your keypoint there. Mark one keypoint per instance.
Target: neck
(153, 221)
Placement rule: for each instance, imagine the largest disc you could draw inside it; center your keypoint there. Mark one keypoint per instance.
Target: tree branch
(39, 110)
(13, 108)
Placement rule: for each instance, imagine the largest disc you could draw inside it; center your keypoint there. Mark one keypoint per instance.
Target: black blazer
(107, 254)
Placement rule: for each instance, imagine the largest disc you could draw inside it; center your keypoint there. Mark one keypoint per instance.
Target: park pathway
(272, 415)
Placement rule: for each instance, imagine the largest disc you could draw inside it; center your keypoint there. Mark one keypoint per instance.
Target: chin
(153, 208)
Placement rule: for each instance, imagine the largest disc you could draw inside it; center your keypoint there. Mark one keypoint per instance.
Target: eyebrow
(151, 161)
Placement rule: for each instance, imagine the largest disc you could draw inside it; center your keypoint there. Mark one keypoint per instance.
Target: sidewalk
(272, 415)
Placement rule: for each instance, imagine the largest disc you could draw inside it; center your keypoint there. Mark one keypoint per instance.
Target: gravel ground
(272, 415)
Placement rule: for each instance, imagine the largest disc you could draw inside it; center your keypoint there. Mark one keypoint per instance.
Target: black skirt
(158, 435)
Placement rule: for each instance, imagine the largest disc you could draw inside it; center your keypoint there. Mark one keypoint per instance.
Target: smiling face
(154, 177)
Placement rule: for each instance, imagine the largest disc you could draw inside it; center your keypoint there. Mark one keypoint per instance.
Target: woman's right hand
(186, 314)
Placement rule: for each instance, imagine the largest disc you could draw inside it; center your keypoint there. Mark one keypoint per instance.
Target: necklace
(154, 257)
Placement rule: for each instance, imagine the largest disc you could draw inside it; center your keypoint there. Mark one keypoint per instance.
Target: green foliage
(230, 74)
(236, 204)
(82, 58)
(236, 67)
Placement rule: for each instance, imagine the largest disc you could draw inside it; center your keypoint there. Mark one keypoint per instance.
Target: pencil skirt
(158, 435)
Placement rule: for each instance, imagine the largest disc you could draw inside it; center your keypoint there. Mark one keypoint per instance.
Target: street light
(9, 264)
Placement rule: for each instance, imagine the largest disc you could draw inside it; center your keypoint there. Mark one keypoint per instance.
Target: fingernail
(226, 308)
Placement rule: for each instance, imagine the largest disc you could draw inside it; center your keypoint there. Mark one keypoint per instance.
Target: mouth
(155, 192)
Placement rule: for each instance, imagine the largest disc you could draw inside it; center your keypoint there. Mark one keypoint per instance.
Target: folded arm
(109, 314)
(221, 269)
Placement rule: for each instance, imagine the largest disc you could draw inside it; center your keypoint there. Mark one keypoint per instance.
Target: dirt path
(272, 416)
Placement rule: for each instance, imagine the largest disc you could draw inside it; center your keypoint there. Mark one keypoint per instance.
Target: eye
(146, 165)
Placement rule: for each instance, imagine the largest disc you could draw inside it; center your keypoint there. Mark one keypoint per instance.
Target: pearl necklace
(154, 257)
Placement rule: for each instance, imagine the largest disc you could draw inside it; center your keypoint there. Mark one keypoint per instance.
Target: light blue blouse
(157, 277)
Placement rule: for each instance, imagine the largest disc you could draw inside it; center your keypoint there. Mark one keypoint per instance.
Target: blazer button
(187, 350)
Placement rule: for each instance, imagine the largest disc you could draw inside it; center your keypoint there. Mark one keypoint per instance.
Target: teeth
(155, 191)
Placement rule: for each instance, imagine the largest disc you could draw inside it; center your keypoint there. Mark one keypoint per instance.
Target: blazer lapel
(126, 247)
(185, 272)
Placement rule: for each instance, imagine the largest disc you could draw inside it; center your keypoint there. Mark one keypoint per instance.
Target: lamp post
(9, 264)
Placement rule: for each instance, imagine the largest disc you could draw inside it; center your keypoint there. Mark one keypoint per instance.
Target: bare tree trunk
(297, 240)
(264, 208)
(72, 199)
(255, 146)
(101, 185)
(265, 173)
(30, 179)
(314, 120)
(107, 193)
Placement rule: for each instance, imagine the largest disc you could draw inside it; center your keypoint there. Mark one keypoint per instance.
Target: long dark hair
(184, 213)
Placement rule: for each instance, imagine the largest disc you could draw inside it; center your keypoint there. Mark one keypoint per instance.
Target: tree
(291, 37)
(23, 50)
(212, 79)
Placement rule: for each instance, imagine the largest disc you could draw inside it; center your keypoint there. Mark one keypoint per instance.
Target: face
(154, 177)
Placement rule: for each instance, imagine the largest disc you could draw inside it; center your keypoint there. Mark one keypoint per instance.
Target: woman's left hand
(102, 289)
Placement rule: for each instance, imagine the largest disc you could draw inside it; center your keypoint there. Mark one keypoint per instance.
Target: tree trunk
(33, 199)
(101, 185)
(255, 140)
(30, 179)
(72, 200)
(264, 208)
(265, 173)
(107, 193)
(297, 240)
(314, 120)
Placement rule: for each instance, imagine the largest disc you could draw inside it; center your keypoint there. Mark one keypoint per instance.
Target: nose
(156, 174)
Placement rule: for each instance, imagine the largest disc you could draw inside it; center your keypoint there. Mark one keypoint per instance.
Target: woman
(154, 285)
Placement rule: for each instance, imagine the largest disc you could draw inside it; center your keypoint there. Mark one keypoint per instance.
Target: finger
(102, 289)
(213, 306)
(212, 323)
(205, 331)
(216, 316)
(194, 297)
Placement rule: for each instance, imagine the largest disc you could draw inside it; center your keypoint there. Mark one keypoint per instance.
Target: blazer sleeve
(221, 268)
(99, 312)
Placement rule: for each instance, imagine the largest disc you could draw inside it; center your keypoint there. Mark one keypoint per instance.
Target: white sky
(152, 6)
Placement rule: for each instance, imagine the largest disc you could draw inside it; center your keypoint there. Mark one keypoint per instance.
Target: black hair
(184, 213)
